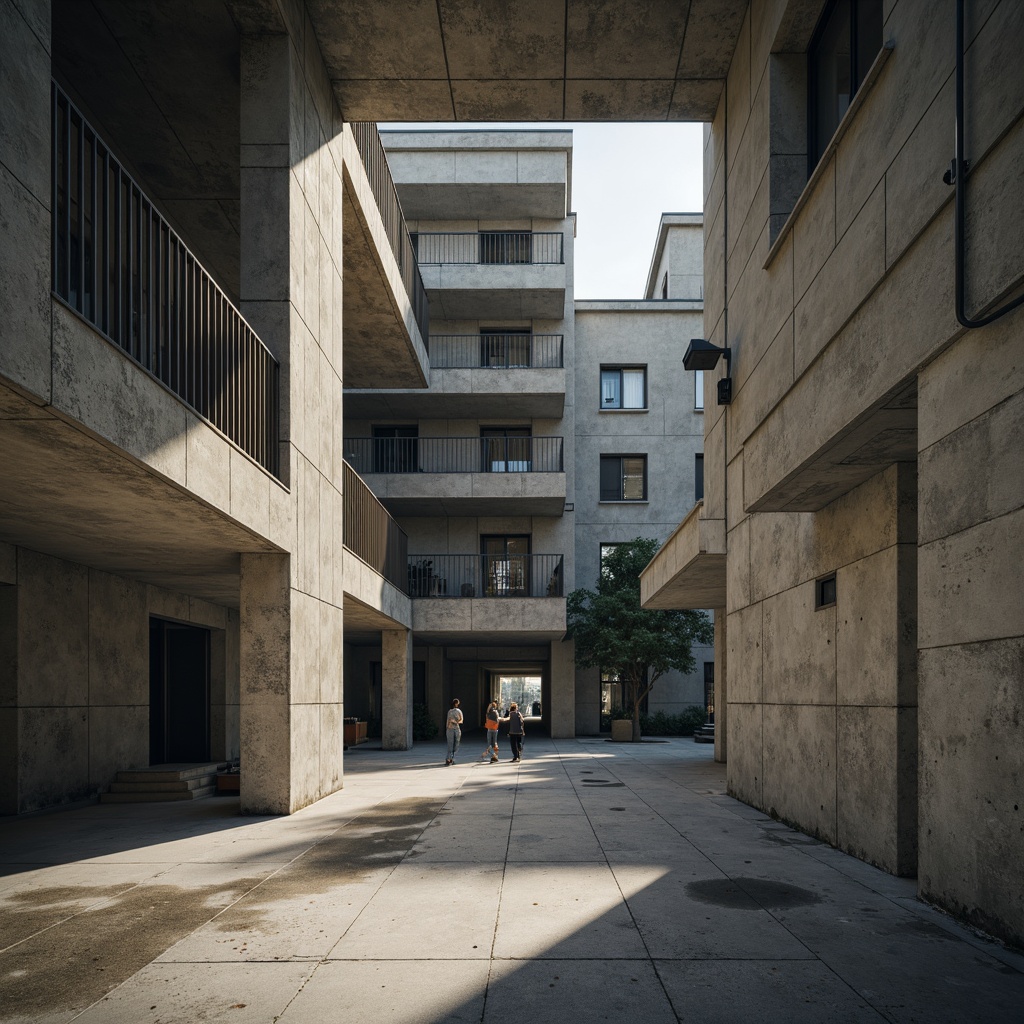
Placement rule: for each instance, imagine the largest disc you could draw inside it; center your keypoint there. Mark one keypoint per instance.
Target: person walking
(453, 731)
(491, 725)
(516, 731)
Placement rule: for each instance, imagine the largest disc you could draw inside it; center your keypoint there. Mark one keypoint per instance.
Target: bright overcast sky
(624, 176)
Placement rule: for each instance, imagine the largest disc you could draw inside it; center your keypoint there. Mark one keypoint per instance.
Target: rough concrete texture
(604, 883)
(396, 689)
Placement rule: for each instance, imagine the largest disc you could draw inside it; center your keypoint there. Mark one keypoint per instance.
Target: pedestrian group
(492, 719)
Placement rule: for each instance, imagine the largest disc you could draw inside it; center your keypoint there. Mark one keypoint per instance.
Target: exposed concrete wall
(75, 692)
(837, 302)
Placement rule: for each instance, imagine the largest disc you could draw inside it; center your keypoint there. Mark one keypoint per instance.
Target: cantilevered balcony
(462, 476)
(497, 596)
(473, 275)
(472, 373)
(375, 581)
(386, 321)
(119, 265)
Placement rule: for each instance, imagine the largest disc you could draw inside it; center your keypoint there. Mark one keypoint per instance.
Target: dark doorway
(179, 693)
(396, 449)
(709, 689)
(506, 565)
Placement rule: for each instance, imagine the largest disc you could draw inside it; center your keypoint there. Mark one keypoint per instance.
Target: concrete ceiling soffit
(527, 59)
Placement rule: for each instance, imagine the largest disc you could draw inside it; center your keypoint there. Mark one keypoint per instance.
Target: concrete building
(638, 409)
(179, 281)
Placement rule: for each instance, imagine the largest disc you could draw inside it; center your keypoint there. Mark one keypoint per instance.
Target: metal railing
(497, 247)
(117, 263)
(455, 454)
(369, 532)
(375, 163)
(464, 576)
(496, 351)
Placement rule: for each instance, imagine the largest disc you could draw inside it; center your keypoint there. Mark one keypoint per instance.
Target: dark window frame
(825, 592)
(621, 477)
(618, 368)
(862, 53)
(698, 477)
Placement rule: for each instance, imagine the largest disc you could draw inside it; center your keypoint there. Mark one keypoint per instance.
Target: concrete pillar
(396, 689)
(562, 689)
(721, 687)
(290, 290)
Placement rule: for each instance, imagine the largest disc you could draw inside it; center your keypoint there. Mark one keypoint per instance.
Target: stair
(164, 782)
(705, 734)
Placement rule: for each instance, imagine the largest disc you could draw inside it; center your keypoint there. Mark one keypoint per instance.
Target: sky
(624, 176)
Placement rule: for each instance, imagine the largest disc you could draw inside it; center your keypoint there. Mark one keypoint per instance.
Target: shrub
(423, 726)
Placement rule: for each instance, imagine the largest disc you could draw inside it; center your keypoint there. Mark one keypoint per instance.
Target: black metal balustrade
(455, 454)
(485, 576)
(117, 263)
(496, 351)
(369, 532)
(496, 247)
(375, 163)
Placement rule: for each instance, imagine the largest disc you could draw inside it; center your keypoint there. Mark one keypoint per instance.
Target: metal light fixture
(702, 355)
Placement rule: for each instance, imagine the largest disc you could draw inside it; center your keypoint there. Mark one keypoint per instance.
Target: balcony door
(505, 346)
(395, 449)
(506, 565)
(506, 449)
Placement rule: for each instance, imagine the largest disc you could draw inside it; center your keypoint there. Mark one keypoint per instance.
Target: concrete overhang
(383, 346)
(79, 498)
(371, 603)
(506, 620)
(881, 435)
(689, 569)
(483, 174)
(531, 60)
(466, 392)
(469, 494)
(475, 291)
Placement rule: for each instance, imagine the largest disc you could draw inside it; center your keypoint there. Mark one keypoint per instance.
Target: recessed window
(624, 387)
(698, 477)
(623, 478)
(843, 47)
(698, 390)
(825, 591)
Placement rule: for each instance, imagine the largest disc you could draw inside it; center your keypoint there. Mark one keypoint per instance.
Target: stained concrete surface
(594, 881)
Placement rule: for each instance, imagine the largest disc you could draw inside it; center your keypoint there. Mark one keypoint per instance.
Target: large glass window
(698, 390)
(623, 478)
(844, 45)
(624, 387)
(506, 565)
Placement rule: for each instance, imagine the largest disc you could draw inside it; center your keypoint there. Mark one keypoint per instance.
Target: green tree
(611, 631)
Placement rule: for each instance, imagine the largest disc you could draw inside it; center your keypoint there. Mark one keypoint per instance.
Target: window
(698, 477)
(506, 247)
(845, 43)
(825, 592)
(698, 390)
(611, 692)
(623, 478)
(505, 346)
(709, 690)
(506, 449)
(395, 449)
(505, 562)
(607, 549)
(624, 387)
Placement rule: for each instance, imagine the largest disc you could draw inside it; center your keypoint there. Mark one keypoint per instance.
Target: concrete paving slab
(559, 911)
(397, 991)
(576, 990)
(472, 838)
(545, 837)
(185, 993)
(404, 917)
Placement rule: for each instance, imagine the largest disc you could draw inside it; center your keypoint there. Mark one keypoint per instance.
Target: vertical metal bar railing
(369, 531)
(399, 455)
(469, 576)
(118, 263)
(375, 162)
(496, 351)
(492, 247)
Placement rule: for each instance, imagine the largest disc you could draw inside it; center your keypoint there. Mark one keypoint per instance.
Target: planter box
(622, 730)
(355, 732)
(228, 782)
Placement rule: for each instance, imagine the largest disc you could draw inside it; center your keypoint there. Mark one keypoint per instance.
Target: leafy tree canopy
(611, 631)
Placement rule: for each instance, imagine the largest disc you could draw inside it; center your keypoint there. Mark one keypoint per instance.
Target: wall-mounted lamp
(702, 355)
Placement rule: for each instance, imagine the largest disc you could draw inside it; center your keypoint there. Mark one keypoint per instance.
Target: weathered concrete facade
(870, 437)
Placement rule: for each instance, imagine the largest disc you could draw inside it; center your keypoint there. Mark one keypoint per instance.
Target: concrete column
(563, 689)
(396, 689)
(721, 687)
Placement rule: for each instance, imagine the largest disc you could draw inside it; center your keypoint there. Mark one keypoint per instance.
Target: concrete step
(163, 787)
(148, 797)
(170, 772)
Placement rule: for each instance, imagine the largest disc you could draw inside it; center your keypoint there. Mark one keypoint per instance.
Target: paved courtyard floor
(592, 882)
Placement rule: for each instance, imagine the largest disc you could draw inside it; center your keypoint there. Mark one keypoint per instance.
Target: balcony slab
(481, 620)
(689, 570)
(469, 494)
(472, 291)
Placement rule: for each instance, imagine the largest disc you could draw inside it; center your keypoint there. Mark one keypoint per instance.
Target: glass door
(506, 449)
(506, 565)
